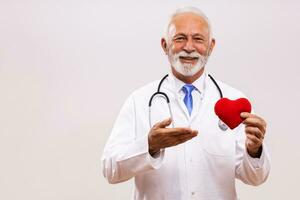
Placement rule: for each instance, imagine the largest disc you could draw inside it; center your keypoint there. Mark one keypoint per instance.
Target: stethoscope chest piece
(222, 125)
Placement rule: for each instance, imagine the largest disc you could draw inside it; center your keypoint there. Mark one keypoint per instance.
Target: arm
(125, 155)
(252, 159)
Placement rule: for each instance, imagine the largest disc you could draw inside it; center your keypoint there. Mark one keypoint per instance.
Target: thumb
(163, 124)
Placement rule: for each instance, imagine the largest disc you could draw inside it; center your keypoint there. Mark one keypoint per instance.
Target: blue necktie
(188, 99)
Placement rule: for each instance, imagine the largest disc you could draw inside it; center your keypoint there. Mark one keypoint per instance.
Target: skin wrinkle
(193, 11)
(171, 34)
(189, 33)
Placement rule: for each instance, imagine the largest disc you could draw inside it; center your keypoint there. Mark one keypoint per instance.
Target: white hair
(193, 10)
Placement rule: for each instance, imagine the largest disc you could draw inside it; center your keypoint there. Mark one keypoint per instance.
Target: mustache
(185, 54)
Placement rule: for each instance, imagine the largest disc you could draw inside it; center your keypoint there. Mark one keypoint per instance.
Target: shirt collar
(199, 83)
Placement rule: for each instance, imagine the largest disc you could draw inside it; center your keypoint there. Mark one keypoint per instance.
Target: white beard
(187, 69)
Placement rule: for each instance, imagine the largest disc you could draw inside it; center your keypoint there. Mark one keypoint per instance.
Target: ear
(163, 43)
(212, 45)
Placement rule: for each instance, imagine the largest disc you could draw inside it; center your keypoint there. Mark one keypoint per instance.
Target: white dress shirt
(204, 167)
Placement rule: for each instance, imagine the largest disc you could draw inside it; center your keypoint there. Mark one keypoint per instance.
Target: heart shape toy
(229, 110)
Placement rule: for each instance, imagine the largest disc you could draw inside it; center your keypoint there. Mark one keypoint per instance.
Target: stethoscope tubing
(221, 124)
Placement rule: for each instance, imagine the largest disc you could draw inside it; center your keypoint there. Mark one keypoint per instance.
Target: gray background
(66, 68)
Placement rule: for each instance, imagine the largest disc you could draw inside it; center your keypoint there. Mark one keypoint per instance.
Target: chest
(211, 139)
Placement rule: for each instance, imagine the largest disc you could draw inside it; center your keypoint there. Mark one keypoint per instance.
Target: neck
(187, 79)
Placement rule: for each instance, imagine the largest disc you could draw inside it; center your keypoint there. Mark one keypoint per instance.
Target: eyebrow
(183, 34)
(179, 34)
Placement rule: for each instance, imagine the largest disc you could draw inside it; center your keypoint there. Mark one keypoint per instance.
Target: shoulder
(229, 91)
(144, 92)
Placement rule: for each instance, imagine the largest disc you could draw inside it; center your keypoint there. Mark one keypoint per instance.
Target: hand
(161, 137)
(255, 131)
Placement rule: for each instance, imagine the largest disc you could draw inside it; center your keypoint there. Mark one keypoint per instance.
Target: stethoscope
(221, 124)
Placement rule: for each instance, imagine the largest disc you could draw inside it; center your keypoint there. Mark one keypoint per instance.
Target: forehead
(189, 23)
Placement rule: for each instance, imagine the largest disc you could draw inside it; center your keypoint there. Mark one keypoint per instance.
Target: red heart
(229, 110)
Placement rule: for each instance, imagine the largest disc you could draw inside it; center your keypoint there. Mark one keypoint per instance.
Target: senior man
(194, 159)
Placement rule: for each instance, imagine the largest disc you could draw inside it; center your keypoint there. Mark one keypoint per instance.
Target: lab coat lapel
(177, 100)
(182, 106)
(203, 106)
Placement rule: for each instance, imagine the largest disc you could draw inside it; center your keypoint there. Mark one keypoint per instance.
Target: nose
(189, 46)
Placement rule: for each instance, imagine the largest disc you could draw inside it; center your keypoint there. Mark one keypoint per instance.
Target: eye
(179, 39)
(199, 39)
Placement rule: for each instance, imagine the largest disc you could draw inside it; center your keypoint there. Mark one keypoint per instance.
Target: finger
(250, 115)
(245, 114)
(261, 120)
(176, 131)
(184, 138)
(254, 131)
(178, 139)
(163, 123)
(255, 122)
(253, 140)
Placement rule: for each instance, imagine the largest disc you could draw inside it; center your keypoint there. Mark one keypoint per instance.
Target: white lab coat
(202, 168)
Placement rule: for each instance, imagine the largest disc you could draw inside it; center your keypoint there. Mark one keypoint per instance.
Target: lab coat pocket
(219, 143)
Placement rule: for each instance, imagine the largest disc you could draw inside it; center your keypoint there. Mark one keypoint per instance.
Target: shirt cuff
(156, 161)
(141, 147)
(257, 163)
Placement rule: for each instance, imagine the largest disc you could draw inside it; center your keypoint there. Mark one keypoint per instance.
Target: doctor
(195, 159)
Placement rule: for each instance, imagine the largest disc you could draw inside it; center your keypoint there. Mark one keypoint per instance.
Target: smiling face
(188, 45)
